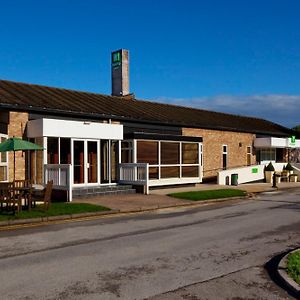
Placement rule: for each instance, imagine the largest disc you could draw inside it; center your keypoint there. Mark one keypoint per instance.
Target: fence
(61, 176)
(135, 174)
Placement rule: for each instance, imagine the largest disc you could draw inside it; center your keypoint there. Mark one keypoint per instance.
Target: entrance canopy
(273, 142)
(74, 129)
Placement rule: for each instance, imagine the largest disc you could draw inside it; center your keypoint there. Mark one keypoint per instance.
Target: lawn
(209, 194)
(56, 209)
(293, 266)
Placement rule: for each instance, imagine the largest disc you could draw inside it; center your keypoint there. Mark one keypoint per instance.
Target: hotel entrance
(95, 162)
(85, 161)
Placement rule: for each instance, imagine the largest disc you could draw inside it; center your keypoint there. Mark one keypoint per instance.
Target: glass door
(92, 161)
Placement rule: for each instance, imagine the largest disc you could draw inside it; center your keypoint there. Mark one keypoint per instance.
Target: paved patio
(158, 198)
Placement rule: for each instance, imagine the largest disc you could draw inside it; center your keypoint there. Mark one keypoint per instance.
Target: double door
(94, 162)
(85, 161)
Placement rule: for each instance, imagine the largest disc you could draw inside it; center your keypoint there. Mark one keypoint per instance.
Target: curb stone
(281, 270)
(56, 218)
(4, 224)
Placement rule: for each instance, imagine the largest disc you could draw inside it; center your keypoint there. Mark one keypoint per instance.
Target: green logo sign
(254, 170)
(293, 139)
(116, 59)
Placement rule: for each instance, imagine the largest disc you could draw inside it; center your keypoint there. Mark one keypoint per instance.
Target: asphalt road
(212, 252)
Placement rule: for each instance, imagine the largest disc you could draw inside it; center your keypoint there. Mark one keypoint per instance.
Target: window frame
(4, 164)
(180, 165)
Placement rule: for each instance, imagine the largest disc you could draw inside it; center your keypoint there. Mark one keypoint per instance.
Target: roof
(37, 98)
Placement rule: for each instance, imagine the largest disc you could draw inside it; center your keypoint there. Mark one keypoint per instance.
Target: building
(104, 140)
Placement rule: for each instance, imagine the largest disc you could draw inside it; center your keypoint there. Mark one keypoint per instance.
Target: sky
(240, 57)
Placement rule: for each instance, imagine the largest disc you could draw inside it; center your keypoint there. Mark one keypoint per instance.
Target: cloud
(281, 109)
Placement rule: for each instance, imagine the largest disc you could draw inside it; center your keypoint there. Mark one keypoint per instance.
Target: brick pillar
(16, 128)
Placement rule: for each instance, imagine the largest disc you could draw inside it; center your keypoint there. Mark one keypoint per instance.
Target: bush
(270, 167)
(289, 167)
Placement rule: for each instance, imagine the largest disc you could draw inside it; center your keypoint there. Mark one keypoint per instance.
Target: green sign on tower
(116, 59)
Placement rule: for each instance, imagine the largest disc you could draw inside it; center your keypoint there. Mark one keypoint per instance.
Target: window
(126, 152)
(52, 150)
(249, 148)
(65, 151)
(225, 157)
(170, 159)
(190, 153)
(147, 152)
(268, 154)
(169, 153)
(3, 161)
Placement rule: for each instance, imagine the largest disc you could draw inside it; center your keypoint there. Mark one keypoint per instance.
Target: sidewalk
(133, 203)
(158, 198)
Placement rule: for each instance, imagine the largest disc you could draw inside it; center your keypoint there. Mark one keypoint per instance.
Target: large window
(268, 154)
(126, 152)
(147, 152)
(170, 159)
(3, 161)
(65, 151)
(190, 153)
(52, 150)
(169, 153)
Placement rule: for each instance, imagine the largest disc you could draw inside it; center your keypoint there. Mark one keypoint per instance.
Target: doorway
(85, 162)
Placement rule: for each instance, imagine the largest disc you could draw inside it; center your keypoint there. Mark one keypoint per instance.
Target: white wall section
(74, 129)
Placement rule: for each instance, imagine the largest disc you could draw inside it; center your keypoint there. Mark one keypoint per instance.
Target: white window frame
(4, 164)
(180, 164)
(226, 153)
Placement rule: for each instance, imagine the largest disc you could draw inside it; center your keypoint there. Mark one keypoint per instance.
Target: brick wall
(213, 140)
(16, 127)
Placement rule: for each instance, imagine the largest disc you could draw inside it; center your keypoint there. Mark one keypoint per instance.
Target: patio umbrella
(17, 144)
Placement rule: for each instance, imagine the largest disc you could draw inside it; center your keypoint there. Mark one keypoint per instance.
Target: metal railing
(135, 174)
(61, 176)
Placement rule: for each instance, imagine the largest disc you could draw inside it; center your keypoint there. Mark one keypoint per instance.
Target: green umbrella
(17, 144)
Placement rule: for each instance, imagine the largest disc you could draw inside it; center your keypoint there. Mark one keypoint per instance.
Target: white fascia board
(270, 142)
(74, 129)
(262, 142)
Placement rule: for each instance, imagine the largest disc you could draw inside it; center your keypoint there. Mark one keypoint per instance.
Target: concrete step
(103, 191)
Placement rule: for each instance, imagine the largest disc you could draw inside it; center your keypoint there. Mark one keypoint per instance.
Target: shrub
(289, 167)
(270, 167)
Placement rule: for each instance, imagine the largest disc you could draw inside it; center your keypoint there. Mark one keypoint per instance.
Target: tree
(297, 128)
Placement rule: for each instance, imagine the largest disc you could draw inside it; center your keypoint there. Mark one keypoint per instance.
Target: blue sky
(237, 56)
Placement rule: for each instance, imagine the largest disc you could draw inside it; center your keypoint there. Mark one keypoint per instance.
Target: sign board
(292, 141)
(116, 59)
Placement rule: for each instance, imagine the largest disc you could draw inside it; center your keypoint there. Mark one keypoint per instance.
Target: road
(211, 252)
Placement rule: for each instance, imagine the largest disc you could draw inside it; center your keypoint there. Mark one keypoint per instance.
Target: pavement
(134, 203)
(158, 197)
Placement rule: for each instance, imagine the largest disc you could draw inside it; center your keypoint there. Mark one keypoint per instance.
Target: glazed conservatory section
(160, 162)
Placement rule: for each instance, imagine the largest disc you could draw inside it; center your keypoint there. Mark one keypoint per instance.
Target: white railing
(296, 167)
(135, 174)
(61, 176)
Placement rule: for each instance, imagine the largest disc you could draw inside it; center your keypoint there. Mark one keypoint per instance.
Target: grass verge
(56, 209)
(293, 266)
(209, 194)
